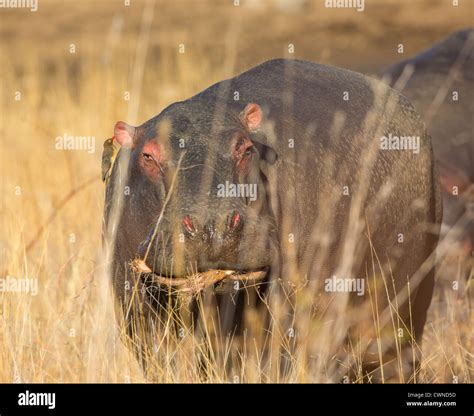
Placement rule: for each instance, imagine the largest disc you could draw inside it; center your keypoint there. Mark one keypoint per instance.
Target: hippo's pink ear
(124, 133)
(252, 116)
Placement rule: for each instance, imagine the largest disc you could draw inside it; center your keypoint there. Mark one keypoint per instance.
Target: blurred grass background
(67, 332)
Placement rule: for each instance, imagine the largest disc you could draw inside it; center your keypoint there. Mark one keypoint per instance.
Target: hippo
(310, 175)
(440, 84)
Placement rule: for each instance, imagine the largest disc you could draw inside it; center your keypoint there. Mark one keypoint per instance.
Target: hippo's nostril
(188, 225)
(235, 221)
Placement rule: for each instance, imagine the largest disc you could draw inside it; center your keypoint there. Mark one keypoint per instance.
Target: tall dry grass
(68, 332)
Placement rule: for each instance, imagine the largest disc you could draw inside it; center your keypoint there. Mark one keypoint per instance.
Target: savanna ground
(75, 68)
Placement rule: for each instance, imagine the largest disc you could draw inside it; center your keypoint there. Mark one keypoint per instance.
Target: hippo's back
(441, 88)
(298, 94)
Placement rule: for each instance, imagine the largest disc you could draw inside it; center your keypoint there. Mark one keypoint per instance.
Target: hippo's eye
(148, 157)
(243, 151)
(249, 151)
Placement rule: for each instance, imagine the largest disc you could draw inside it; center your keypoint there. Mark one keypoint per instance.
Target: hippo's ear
(124, 133)
(252, 117)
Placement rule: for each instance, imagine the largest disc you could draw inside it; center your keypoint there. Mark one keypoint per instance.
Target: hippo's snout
(216, 237)
(209, 243)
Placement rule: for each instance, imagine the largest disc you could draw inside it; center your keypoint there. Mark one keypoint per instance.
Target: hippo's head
(197, 190)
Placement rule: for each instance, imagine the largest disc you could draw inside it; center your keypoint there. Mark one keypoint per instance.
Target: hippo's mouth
(192, 285)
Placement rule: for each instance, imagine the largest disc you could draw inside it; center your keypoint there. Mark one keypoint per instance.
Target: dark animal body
(333, 193)
(440, 84)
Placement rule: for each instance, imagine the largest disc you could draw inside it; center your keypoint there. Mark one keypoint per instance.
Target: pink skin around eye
(240, 145)
(152, 167)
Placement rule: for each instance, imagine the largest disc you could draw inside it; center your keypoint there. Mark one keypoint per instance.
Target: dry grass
(68, 332)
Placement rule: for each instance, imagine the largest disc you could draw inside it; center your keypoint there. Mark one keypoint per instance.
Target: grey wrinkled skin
(445, 68)
(296, 183)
